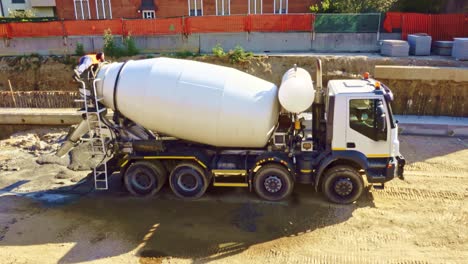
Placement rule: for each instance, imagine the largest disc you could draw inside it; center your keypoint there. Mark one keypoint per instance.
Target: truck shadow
(223, 223)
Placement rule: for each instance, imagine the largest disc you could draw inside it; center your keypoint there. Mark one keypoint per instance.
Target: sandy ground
(423, 219)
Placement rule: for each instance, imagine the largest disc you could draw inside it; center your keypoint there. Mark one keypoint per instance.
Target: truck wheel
(342, 185)
(188, 181)
(144, 178)
(273, 182)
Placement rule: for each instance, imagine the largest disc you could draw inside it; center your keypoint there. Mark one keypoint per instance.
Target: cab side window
(367, 116)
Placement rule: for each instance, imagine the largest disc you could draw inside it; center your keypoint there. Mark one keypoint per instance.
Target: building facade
(40, 8)
(111, 9)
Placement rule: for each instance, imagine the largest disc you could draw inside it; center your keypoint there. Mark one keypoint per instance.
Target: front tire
(273, 182)
(144, 178)
(342, 185)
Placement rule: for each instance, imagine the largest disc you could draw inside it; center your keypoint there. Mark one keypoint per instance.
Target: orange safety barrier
(448, 26)
(415, 23)
(281, 23)
(92, 27)
(213, 24)
(440, 27)
(162, 26)
(36, 29)
(4, 31)
(392, 21)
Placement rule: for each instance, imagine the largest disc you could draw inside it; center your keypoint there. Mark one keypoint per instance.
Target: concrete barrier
(254, 41)
(421, 73)
(345, 42)
(169, 43)
(39, 116)
(257, 41)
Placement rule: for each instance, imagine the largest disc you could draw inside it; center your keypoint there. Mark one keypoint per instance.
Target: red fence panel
(213, 24)
(392, 21)
(281, 23)
(160, 26)
(36, 29)
(447, 26)
(415, 23)
(93, 27)
(440, 27)
(4, 31)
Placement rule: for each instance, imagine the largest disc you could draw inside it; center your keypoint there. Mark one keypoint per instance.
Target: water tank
(191, 100)
(296, 92)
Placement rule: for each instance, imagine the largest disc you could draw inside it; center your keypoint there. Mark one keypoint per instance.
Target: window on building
(149, 14)
(255, 6)
(18, 1)
(82, 9)
(280, 6)
(367, 116)
(195, 7)
(223, 7)
(103, 9)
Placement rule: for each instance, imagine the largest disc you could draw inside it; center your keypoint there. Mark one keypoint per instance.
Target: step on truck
(192, 124)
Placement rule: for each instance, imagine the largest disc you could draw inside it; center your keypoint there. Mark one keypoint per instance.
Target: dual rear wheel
(146, 178)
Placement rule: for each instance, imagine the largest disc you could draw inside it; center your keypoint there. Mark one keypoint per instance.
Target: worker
(88, 61)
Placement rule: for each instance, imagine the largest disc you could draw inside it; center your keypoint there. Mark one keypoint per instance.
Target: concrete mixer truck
(194, 124)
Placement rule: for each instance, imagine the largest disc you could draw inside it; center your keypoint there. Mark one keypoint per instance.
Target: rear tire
(342, 185)
(188, 181)
(144, 178)
(273, 182)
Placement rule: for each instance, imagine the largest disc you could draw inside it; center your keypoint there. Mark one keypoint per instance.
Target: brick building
(105, 9)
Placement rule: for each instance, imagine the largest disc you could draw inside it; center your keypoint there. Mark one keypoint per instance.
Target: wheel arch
(271, 158)
(353, 159)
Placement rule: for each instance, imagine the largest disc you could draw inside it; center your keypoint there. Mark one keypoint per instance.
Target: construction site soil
(49, 213)
(42, 74)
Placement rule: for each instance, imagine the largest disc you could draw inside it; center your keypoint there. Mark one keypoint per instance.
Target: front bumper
(385, 170)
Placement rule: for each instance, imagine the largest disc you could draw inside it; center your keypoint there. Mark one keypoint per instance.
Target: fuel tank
(194, 101)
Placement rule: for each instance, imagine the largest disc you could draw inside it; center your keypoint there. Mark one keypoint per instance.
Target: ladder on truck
(97, 132)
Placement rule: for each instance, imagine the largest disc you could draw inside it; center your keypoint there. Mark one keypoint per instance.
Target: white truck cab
(361, 127)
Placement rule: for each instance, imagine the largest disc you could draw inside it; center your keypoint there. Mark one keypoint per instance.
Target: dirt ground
(46, 218)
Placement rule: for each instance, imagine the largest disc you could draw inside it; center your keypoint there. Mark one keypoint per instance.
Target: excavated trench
(46, 82)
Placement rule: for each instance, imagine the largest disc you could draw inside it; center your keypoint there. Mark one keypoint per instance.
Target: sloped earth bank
(420, 220)
(413, 97)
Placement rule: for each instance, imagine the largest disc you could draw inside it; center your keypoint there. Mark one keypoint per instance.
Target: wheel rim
(343, 187)
(187, 182)
(273, 184)
(142, 181)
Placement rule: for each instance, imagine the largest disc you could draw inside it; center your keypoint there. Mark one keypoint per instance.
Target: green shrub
(110, 47)
(113, 49)
(185, 54)
(218, 51)
(79, 50)
(239, 55)
(131, 49)
(352, 6)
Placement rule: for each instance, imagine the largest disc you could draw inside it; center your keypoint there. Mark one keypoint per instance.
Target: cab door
(368, 127)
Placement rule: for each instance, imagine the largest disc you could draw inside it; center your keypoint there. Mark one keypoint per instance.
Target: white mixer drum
(191, 100)
(296, 93)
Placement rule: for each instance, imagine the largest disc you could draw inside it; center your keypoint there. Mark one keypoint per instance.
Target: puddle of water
(52, 199)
